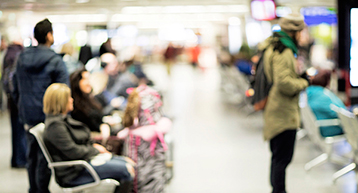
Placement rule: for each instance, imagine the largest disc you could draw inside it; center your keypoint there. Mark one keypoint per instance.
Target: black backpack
(260, 86)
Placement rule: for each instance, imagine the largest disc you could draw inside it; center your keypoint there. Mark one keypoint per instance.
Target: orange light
(250, 92)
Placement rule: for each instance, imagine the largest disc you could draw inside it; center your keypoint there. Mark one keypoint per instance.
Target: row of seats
(234, 85)
(98, 185)
(106, 185)
(348, 121)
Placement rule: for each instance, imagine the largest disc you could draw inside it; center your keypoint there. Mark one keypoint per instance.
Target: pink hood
(148, 132)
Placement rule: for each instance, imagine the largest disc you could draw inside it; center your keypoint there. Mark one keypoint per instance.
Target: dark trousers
(282, 147)
(18, 136)
(38, 172)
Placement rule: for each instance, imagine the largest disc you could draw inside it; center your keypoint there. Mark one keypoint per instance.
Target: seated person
(243, 60)
(108, 101)
(71, 62)
(67, 139)
(119, 78)
(319, 99)
(244, 66)
(134, 66)
(87, 108)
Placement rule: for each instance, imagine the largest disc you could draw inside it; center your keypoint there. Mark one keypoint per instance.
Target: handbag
(114, 145)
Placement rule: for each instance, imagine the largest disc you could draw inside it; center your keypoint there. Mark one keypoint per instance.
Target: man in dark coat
(37, 68)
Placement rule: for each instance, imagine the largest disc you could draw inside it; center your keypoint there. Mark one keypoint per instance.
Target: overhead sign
(318, 15)
(263, 10)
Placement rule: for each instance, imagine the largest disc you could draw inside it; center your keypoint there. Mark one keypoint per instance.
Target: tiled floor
(218, 147)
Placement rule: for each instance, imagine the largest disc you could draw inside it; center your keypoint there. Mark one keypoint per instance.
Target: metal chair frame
(37, 131)
(350, 127)
(312, 126)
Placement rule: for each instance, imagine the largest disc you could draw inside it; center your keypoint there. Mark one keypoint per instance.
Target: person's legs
(18, 134)
(38, 172)
(116, 168)
(124, 175)
(31, 161)
(43, 173)
(282, 147)
(2, 108)
(124, 187)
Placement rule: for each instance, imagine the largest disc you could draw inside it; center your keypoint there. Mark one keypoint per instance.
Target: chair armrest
(78, 162)
(328, 122)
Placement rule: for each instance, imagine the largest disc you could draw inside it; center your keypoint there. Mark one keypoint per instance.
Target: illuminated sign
(318, 15)
(263, 10)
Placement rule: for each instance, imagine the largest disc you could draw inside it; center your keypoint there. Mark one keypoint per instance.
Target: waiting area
(218, 145)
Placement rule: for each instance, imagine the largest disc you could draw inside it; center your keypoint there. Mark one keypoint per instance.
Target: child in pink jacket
(144, 133)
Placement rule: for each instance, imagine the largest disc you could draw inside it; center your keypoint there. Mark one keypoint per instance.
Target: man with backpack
(281, 114)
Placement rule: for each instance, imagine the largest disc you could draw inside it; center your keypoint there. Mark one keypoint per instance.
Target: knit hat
(292, 22)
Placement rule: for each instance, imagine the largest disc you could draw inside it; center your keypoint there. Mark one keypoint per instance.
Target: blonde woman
(68, 139)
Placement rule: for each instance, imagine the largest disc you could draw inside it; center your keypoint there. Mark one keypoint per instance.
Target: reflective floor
(219, 148)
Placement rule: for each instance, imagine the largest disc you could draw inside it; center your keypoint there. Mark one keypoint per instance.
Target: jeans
(38, 172)
(282, 147)
(18, 136)
(114, 169)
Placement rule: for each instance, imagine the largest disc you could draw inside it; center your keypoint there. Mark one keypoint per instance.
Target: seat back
(349, 124)
(105, 185)
(310, 125)
(38, 132)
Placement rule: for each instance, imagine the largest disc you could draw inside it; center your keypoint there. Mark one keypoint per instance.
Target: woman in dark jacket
(68, 139)
(86, 108)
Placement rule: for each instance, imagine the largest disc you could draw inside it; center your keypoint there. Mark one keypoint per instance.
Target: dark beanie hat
(292, 22)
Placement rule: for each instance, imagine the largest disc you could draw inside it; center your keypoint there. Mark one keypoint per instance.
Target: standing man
(37, 68)
(281, 115)
(18, 139)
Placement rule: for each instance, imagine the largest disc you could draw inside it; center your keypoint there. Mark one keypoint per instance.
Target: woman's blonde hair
(56, 98)
(67, 48)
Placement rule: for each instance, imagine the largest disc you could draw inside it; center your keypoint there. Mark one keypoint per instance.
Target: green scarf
(287, 41)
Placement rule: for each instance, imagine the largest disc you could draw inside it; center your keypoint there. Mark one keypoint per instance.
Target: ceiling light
(234, 21)
(133, 9)
(78, 18)
(185, 9)
(82, 1)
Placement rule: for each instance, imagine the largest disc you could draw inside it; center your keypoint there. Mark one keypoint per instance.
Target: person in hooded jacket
(281, 113)
(37, 68)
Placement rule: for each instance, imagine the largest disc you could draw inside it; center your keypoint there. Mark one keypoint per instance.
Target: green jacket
(281, 112)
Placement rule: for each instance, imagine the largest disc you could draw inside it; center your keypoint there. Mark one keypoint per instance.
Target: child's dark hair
(322, 78)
